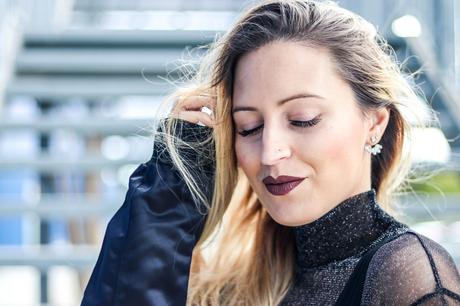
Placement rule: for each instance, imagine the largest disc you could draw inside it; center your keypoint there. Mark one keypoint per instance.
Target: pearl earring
(373, 149)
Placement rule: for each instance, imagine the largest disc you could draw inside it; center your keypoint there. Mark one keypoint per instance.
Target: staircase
(88, 100)
(76, 120)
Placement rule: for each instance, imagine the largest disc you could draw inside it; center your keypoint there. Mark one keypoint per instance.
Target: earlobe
(379, 121)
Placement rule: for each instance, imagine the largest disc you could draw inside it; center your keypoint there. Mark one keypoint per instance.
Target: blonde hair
(243, 256)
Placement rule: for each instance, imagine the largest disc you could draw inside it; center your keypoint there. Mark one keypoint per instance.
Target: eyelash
(302, 124)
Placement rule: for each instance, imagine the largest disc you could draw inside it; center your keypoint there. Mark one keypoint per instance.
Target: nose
(275, 145)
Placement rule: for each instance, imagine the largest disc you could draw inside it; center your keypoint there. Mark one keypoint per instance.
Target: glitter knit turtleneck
(346, 230)
(328, 249)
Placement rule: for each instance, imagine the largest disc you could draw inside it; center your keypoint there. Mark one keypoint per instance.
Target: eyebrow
(281, 102)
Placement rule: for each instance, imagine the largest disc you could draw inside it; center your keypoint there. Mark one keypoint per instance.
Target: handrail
(419, 47)
(11, 36)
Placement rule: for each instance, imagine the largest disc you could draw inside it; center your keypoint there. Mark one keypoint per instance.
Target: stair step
(119, 38)
(50, 87)
(45, 256)
(99, 61)
(52, 164)
(60, 211)
(87, 126)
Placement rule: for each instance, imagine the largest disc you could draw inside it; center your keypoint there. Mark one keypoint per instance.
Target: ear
(378, 121)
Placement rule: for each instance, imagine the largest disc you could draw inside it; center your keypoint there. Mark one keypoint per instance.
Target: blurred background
(80, 83)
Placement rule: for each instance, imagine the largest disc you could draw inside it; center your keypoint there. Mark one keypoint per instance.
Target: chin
(288, 220)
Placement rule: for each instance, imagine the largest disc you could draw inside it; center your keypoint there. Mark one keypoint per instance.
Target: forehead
(281, 69)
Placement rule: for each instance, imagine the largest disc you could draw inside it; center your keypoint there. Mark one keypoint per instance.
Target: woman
(283, 193)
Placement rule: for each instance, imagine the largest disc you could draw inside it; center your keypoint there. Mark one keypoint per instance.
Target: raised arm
(147, 248)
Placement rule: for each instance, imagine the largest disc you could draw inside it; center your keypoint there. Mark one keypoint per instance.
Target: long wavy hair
(243, 256)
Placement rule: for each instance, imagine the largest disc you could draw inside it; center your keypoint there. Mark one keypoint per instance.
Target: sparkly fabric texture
(410, 270)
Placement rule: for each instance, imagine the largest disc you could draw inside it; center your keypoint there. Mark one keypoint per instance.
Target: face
(295, 116)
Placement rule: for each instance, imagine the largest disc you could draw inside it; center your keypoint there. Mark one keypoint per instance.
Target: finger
(195, 103)
(211, 102)
(195, 117)
(206, 110)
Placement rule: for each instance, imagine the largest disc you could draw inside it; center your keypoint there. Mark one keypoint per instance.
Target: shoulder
(411, 268)
(414, 244)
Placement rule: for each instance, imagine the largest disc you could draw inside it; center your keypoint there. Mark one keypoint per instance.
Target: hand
(193, 109)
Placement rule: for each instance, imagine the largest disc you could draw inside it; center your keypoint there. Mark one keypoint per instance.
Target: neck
(345, 230)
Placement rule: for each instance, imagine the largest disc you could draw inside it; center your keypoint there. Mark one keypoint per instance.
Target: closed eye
(303, 124)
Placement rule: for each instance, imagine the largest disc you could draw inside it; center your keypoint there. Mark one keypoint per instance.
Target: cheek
(328, 145)
(337, 150)
(246, 157)
(342, 143)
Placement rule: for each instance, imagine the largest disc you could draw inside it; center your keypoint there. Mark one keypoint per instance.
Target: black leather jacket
(147, 248)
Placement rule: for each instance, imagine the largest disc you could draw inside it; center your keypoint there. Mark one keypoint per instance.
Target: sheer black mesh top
(409, 270)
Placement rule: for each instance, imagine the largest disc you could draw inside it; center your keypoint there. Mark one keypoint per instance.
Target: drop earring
(375, 149)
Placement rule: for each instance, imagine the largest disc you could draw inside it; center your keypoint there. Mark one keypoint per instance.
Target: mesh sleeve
(412, 270)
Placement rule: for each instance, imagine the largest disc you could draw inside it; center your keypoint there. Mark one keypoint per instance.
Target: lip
(282, 184)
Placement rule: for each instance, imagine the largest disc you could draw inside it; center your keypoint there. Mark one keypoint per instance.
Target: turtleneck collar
(345, 230)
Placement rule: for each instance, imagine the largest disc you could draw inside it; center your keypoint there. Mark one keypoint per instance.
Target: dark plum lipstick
(282, 184)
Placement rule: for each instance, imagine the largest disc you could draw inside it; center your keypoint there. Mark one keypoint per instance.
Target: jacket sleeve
(147, 247)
